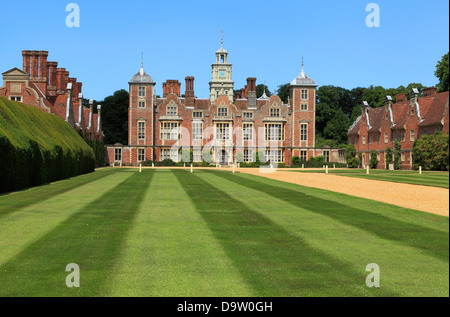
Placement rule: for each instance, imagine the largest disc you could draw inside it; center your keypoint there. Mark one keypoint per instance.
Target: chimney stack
(401, 97)
(69, 106)
(189, 95)
(251, 86)
(429, 91)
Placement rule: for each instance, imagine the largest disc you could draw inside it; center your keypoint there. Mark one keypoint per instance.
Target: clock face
(222, 73)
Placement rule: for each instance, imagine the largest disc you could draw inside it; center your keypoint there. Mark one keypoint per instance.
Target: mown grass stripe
(21, 228)
(92, 238)
(171, 252)
(272, 260)
(16, 201)
(434, 242)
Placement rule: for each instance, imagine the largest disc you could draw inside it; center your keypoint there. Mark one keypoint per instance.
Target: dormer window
(275, 112)
(172, 110)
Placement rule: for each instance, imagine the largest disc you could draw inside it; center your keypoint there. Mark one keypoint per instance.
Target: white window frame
(170, 130)
(141, 130)
(141, 155)
(247, 131)
(118, 153)
(141, 91)
(197, 130)
(269, 134)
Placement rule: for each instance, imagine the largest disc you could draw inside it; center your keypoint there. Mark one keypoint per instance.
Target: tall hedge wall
(37, 148)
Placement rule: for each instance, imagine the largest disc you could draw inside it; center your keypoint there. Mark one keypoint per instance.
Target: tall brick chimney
(26, 61)
(401, 97)
(251, 86)
(51, 80)
(43, 64)
(189, 95)
(171, 86)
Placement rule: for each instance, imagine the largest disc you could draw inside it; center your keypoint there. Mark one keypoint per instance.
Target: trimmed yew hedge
(38, 148)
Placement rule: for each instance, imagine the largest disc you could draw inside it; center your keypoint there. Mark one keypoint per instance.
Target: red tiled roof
(376, 116)
(399, 111)
(356, 126)
(432, 108)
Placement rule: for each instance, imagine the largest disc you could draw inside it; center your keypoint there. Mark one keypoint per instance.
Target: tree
(283, 92)
(373, 159)
(296, 160)
(337, 128)
(397, 155)
(260, 90)
(350, 156)
(115, 117)
(442, 74)
(432, 152)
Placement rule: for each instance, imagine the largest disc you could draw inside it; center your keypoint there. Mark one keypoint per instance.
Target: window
(274, 132)
(326, 155)
(370, 139)
(222, 112)
(247, 115)
(275, 112)
(274, 156)
(197, 131)
(141, 91)
(141, 130)
(304, 94)
(402, 136)
(172, 110)
(222, 131)
(248, 155)
(18, 99)
(197, 155)
(412, 110)
(248, 132)
(379, 156)
(304, 107)
(117, 154)
(386, 137)
(304, 132)
(170, 154)
(364, 139)
(141, 155)
(197, 114)
(303, 156)
(378, 138)
(412, 135)
(403, 156)
(170, 131)
(141, 104)
(425, 131)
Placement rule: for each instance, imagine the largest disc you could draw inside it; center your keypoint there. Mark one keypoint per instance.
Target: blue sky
(265, 39)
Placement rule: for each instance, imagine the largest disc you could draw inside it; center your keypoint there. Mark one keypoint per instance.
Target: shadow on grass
(16, 201)
(434, 242)
(91, 238)
(272, 260)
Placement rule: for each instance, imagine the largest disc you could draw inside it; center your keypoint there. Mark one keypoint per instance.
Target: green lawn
(213, 233)
(436, 179)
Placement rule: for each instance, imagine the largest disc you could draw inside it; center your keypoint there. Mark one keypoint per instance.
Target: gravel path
(425, 198)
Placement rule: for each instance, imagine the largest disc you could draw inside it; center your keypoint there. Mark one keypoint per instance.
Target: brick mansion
(40, 83)
(232, 125)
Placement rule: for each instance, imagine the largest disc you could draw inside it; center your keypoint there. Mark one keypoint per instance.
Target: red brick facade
(231, 128)
(406, 121)
(43, 85)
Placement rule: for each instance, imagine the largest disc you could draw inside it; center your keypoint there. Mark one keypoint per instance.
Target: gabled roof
(433, 108)
(354, 129)
(15, 71)
(376, 116)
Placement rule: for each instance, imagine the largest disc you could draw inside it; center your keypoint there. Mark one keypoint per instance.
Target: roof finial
(221, 41)
(142, 59)
(303, 64)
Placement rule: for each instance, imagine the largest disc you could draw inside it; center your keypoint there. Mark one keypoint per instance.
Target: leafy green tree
(260, 90)
(397, 155)
(350, 156)
(388, 157)
(432, 152)
(283, 92)
(373, 159)
(442, 74)
(115, 117)
(337, 127)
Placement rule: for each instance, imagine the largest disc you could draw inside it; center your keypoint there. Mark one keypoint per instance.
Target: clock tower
(221, 83)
